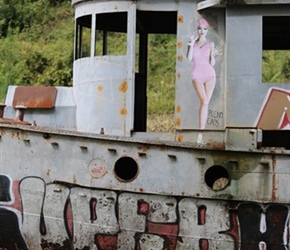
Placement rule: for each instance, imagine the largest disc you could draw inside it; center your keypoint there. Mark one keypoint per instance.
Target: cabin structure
(80, 171)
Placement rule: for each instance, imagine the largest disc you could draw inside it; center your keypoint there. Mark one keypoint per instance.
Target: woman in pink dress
(202, 54)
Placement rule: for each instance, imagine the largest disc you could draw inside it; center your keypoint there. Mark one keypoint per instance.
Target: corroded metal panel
(76, 190)
(62, 116)
(189, 110)
(263, 98)
(35, 97)
(107, 82)
(137, 166)
(98, 217)
(222, 3)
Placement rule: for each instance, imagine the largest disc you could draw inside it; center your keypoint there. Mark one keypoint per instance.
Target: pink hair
(203, 22)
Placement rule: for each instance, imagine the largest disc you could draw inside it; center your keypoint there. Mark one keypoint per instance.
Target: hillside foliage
(276, 66)
(36, 43)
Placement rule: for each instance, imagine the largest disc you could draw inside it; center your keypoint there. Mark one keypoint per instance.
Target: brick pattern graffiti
(66, 216)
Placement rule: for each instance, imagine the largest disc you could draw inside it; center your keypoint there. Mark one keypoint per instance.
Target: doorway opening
(155, 71)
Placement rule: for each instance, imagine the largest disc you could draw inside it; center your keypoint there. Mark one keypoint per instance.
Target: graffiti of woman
(202, 52)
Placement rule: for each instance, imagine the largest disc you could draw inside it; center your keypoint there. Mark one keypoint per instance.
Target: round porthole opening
(126, 169)
(216, 177)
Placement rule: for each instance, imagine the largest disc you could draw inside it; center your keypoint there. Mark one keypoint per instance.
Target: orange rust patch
(48, 172)
(35, 96)
(100, 88)
(123, 87)
(143, 148)
(178, 109)
(180, 19)
(123, 111)
(217, 146)
(179, 44)
(180, 138)
(74, 179)
(180, 58)
(178, 121)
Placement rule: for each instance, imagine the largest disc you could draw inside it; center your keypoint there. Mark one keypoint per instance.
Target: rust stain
(178, 121)
(274, 179)
(180, 138)
(162, 147)
(180, 58)
(15, 135)
(180, 19)
(45, 244)
(143, 148)
(74, 179)
(123, 111)
(13, 121)
(178, 109)
(48, 172)
(179, 44)
(123, 87)
(100, 88)
(35, 96)
(216, 145)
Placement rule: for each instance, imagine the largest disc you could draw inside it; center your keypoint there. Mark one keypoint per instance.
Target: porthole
(216, 177)
(126, 169)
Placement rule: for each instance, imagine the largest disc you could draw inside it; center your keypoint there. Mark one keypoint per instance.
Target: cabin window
(111, 34)
(276, 49)
(83, 36)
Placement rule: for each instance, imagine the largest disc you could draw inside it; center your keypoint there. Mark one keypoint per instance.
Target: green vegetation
(161, 73)
(36, 43)
(276, 66)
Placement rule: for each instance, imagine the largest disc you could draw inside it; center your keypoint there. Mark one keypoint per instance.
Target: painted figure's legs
(204, 92)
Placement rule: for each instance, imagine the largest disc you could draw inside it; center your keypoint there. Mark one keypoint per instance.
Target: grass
(163, 122)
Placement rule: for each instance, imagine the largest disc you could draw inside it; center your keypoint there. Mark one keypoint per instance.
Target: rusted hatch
(35, 96)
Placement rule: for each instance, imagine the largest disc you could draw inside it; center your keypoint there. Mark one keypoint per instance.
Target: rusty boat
(80, 171)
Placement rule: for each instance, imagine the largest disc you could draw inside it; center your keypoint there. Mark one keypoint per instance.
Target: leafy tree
(161, 73)
(286, 68)
(36, 43)
(276, 66)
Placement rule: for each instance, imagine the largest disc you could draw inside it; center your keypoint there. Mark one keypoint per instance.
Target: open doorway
(276, 49)
(155, 71)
